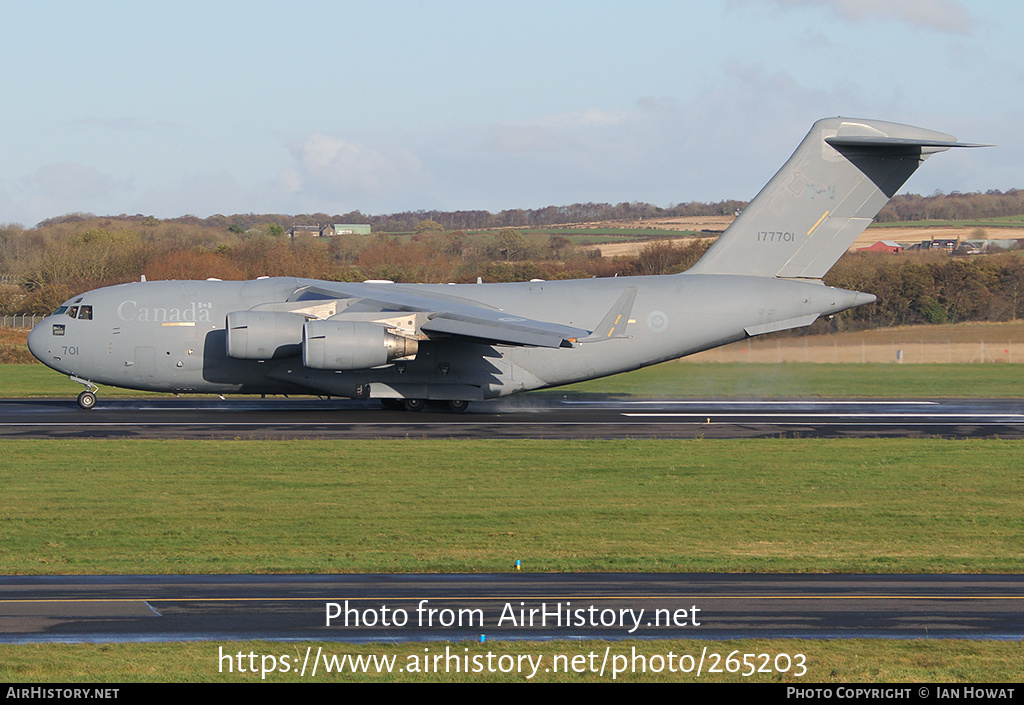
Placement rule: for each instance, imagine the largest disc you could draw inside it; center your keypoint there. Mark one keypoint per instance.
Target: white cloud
(329, 165)
(943, 15)
(725, 142)
(200, 193)
(556, 133)
(124, 124)
(67, 187)
(70, 181)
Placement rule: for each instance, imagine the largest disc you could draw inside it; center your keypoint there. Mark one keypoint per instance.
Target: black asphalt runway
(530, 416)
(508, 606)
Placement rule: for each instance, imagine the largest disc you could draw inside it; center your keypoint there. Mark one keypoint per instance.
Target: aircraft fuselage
(170, 336)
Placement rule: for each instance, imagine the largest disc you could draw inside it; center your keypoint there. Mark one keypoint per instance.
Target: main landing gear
(457, 406)
(454, 406)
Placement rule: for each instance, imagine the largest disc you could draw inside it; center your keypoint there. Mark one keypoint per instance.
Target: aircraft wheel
(415, 404)
(392, 404)
(457, 406)
(87, 400)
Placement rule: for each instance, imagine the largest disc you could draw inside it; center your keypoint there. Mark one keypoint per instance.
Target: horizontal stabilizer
(798, 322)
(897, 143)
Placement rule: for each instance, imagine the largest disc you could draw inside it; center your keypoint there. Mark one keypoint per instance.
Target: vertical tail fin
(828, 192)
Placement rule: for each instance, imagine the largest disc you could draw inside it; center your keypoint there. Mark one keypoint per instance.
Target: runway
(508, 606)
(549, 415)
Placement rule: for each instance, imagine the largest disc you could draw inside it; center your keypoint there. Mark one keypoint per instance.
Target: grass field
(685, 379)
(593, 236)
(712, 380)
(776, 505)
(840, 661)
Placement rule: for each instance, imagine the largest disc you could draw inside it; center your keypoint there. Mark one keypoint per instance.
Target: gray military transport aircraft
(409, 344)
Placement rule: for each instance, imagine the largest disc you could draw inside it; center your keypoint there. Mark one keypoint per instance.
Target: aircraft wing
(447, 315)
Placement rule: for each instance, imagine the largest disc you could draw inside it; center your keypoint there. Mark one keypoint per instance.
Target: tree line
(407, 221)
(953, 206)
(929, 287)
(43, 266)
(905, 207)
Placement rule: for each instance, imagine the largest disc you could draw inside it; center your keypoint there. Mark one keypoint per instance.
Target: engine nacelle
(352, 345)
(264, 335)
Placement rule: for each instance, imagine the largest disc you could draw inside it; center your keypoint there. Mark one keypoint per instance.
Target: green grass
(812, 380)
(841, 661)
(695, 380)
(871, 505)
(619, 232)
(595, 239)
(35, 380)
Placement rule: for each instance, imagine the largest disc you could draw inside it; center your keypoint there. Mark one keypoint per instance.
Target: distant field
(605, 236)
(612, 232)
(949, 343)
(1008, 227)
(1000, 222)
(631, 248)
(677, 223)
(593, 239)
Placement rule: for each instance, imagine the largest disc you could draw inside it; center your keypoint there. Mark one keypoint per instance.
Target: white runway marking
(673, 414)
(746, 402)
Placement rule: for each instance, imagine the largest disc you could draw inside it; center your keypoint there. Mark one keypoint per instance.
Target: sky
(168, 109)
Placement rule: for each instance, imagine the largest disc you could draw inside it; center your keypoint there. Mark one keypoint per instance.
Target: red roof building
(883, 246)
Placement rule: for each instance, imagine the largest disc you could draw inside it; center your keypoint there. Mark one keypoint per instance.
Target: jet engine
(264, 335)
(352, 345)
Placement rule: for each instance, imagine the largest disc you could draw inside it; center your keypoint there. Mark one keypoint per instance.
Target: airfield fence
(20, 321)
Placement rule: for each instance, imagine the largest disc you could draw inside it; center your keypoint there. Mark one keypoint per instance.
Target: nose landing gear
(87, 399)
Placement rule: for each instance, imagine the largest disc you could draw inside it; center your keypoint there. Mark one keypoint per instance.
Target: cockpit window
(82, 313)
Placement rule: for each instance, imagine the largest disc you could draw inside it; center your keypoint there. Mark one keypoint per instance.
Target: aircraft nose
(37, 340)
